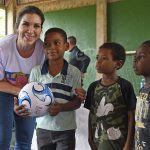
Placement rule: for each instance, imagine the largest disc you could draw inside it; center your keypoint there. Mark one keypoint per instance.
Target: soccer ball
(36, 98)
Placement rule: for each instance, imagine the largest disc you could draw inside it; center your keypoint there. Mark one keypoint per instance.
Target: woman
(18, 54)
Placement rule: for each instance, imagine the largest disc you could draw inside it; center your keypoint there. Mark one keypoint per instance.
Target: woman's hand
(20, 110)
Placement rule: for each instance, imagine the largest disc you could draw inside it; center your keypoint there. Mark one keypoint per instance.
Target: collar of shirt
(44, 69)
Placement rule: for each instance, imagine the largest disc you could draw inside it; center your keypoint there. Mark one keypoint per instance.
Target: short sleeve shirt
(142, 119)
(62, 86)
(14, 68)
(109, 106)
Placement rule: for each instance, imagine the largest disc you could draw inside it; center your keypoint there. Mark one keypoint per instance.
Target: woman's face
(29, 29)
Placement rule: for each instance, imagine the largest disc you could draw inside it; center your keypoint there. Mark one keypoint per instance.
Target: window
(2, 23)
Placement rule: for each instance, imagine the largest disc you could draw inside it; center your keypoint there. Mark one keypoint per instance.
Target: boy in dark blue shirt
(142, 116)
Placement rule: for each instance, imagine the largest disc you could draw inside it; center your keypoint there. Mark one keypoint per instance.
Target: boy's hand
(81, 94)
(82, 75)
(20, 110)
(55, 108)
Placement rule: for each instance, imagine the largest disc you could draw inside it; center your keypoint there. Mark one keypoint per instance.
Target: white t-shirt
(15, 68)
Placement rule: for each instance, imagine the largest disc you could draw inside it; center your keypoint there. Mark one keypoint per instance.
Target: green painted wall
(128, 24)
(80, 22)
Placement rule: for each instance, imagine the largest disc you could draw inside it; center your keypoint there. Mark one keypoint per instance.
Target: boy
(56, 130)
(111, 101)
(142, 116)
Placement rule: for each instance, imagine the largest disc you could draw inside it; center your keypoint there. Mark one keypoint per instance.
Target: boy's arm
(90, 135)
(75, 103)
(59, 107)
(130, 136)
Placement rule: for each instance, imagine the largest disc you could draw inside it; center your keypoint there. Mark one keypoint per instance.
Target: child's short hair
(58, 30)
(146, 45)
(118, 51)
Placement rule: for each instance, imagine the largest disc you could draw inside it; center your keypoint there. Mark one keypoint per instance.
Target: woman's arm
(9, 88)
(59, 107)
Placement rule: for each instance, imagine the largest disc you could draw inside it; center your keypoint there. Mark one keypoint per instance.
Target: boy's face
(105, 63)
(141, 64)
(55, 46)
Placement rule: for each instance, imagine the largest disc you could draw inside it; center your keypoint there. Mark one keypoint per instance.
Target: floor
(82, 129)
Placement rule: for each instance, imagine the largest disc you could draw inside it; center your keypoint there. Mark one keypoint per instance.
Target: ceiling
(19, 2)
(4, 3)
